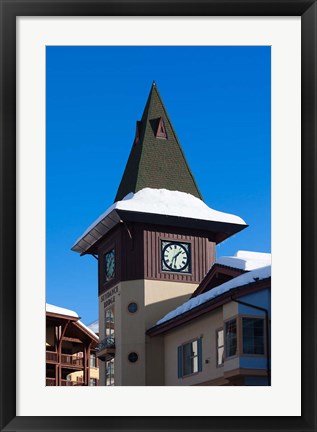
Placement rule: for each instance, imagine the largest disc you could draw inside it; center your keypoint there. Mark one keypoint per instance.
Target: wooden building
(70, 350)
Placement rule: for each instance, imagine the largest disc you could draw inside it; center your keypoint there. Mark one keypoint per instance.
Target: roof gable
(156, 159)
(217, 275)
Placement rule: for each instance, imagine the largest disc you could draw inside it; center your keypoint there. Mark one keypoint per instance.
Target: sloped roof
(156, 162)
(94, 326)
(161, 206)
(246, 260)
(228, 267)
(60, 311)
(250, 277)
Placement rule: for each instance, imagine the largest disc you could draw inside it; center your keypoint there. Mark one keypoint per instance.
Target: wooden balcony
(50, 381)
(64, 383)
(68, 383)
(72, 360)
(66, 359)
(51, 357)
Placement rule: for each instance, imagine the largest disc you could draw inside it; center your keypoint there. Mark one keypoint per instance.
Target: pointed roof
(156, 159)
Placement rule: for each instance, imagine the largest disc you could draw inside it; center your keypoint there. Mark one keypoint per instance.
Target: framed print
(29, 33)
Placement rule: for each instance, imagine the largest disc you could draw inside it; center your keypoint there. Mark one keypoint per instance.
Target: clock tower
(154, 246)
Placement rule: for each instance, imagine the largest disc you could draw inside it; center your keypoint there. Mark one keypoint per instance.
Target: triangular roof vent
(161, 130)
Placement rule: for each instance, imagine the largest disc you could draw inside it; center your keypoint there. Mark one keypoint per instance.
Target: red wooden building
(70, 349)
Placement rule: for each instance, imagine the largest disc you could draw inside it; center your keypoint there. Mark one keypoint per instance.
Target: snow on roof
(61, 311)
(246, 260)
(169, 203)
(94, 326)
(244, 279)
(88, 329)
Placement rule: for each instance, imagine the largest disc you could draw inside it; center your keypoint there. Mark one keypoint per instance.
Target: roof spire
(157, 159)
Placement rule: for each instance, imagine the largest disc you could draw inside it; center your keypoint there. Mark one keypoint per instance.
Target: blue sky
(219, 101)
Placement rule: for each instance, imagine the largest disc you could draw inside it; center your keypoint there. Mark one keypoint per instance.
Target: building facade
(221, 336)
(70, 350)
(155, 245)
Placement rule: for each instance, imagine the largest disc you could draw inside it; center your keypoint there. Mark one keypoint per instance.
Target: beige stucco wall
(204, 327)
(154, 299)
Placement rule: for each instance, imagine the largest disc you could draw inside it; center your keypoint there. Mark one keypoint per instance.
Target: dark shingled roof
(156, 162)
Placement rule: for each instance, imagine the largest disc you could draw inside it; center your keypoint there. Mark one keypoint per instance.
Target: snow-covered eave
(208, 306)
(87, 330)
(161, 206)
(62, 312)
(215, 230)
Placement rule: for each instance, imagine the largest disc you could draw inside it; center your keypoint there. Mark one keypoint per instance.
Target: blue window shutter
(200, 354)
(180, 361)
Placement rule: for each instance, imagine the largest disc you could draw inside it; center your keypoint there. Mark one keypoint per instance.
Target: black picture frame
(10, 9)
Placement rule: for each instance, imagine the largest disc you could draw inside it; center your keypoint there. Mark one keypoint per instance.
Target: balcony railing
(51, 356)
(50, 381)
(71, 360)
(71, 383)
(66, 359)
(108, 342)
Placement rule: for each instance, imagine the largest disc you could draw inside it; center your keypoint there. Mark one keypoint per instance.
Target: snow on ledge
(61, 311)
(242, 280)
(246, 260)
(169, 203)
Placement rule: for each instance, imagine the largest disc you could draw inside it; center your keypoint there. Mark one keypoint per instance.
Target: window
(190, 358)
(109, 265)
(110, 372)
(132, 307)
(133, 357)
(253, 335)
(231, 338)
(220, 347)
(93, 360)
(109, 322)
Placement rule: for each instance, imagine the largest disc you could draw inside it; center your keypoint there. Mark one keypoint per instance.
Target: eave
(216, 231)
(212, 273)
(209, 306)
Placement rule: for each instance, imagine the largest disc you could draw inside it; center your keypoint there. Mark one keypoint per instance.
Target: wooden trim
(85, 331)
(61, 317)
(213, 272)
(59, 350)
(74, 340)
(245, 372)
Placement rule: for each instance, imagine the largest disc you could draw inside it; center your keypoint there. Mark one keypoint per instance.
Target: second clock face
(176, 257)
(109, 265)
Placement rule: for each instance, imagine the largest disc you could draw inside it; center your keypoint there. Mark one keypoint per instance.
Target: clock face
(176, 257)
(109, 265)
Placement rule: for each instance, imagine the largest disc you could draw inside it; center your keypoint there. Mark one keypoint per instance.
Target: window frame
(220, 346)
(242, 353)
(180, 358)
(237, 320)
